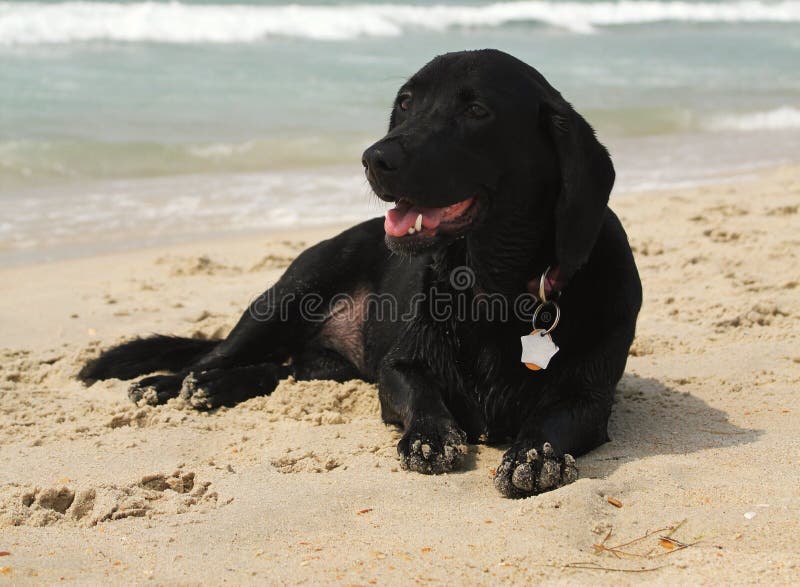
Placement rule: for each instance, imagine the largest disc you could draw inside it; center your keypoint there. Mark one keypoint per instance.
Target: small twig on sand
(592, 566)
(617, 550)
(665, 540)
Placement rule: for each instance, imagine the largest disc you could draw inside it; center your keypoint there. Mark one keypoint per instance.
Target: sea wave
(783, 118)
(30, 162)
(175, 22)
(105, 215)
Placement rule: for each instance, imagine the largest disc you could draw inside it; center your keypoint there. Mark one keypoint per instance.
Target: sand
(304, 486)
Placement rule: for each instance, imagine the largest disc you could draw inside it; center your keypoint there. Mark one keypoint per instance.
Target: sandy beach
(700, 483)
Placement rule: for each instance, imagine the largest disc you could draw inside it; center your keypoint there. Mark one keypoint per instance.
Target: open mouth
(408, 219)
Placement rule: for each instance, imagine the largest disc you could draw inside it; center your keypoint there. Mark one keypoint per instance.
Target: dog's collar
(548, 285)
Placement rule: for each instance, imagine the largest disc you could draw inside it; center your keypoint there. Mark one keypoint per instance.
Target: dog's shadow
(650, 418)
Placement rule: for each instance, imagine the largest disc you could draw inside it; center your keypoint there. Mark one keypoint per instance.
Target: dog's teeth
(411, 230)
(418, 223)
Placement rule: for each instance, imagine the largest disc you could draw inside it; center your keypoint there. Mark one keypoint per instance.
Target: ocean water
(130, 123)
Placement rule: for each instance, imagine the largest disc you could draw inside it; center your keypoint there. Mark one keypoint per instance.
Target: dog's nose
(382, 158)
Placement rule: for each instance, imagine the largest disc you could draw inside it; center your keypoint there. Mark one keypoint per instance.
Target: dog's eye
(476, 111)
(404, 102)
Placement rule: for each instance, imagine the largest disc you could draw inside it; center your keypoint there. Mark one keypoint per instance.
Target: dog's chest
(481, 370)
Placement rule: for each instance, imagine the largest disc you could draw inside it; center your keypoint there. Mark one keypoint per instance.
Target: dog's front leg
(433, 443)
(542, 457)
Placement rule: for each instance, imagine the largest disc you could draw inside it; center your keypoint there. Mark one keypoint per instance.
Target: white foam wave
(784, 118)
(174, 22)
(220, 150)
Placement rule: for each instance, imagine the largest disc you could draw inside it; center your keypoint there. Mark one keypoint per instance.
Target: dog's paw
(527, 471)
(155, 390)
(432, 447)
(206, 390)
(198, 392)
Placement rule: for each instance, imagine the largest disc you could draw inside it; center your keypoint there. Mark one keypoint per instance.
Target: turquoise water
(128, 123)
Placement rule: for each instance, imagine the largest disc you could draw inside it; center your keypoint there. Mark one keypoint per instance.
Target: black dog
(495, 179)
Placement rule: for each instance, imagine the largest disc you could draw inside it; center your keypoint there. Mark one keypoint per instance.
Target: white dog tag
(537, 350)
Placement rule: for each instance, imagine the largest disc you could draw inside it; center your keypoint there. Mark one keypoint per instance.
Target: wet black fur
(542, 181)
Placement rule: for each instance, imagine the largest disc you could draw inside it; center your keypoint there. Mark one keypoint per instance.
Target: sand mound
(152, 495)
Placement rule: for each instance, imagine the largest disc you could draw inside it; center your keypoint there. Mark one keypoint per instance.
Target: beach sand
(304, 486)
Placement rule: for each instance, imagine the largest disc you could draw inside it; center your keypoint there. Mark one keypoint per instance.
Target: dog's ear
(587, 176)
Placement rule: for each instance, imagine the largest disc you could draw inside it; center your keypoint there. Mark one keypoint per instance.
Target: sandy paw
(196, 395)
(154, 390)
(432, 448)
(527, 471)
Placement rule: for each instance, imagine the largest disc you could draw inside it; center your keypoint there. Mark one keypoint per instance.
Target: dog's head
(477, 137)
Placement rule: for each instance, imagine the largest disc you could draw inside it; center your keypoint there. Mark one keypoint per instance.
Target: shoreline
(76, 236)
(210, 241)
(304, 485)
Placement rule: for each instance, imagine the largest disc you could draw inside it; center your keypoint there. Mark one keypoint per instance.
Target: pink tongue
(403, 216)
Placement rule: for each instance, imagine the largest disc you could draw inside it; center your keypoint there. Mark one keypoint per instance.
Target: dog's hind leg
(233, 362)
(280, 323)
(275, 327)
(209, 389)
(322, 363)
(227, 387)
(245, 364)
(156, 389)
